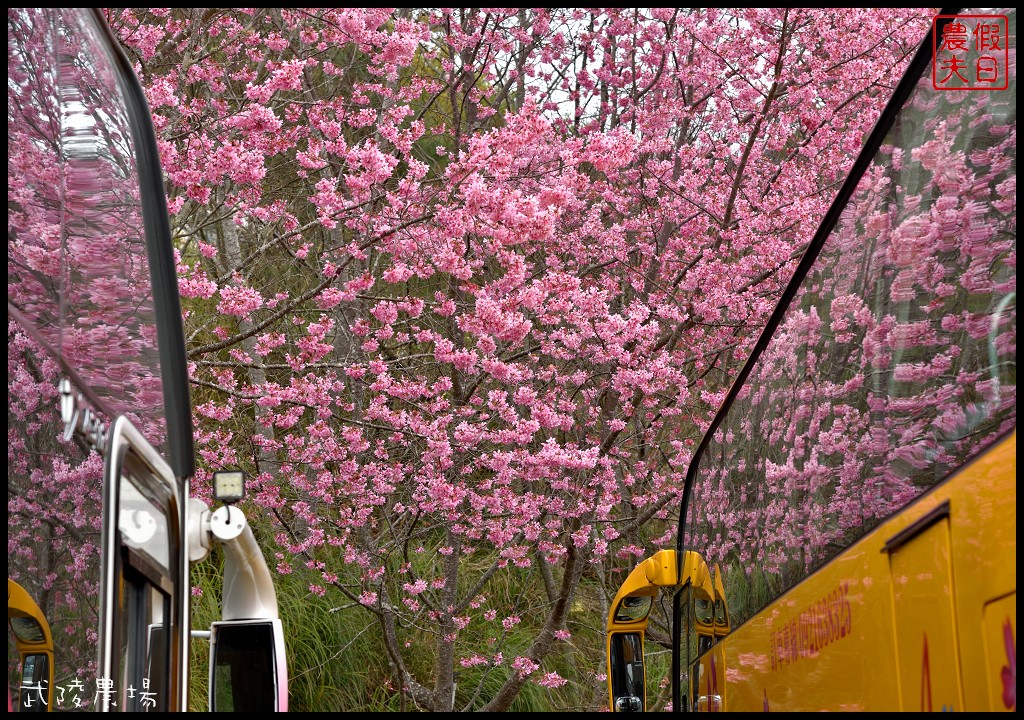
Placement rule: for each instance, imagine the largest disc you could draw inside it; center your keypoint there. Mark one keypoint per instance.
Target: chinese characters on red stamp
(970, 52)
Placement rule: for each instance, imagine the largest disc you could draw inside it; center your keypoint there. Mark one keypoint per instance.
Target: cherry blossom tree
(463, 287)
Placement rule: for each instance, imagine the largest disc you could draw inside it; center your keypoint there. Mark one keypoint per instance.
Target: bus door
(141, 610)
(926, 645)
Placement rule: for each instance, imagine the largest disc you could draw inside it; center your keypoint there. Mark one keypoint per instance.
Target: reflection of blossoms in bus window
(77, 262)
(79, 278)
(894, 363)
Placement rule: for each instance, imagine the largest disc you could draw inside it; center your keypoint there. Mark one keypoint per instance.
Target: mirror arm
(248, 588)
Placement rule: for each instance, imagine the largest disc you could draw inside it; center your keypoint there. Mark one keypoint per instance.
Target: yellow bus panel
(939, 577)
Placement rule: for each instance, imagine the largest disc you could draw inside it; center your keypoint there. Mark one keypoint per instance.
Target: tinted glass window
(27, 629)
(76, 253)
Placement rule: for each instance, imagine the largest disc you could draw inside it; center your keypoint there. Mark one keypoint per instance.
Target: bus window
(891, 366)
(634, 608)
(35, 690)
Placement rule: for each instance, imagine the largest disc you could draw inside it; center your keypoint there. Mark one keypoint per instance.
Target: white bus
(102, 530)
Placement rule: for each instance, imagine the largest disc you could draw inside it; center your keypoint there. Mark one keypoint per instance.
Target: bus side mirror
(35, 684)
(247, 666)
(626, 671)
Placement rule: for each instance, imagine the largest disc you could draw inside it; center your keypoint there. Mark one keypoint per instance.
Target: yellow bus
(847, 531)
(34, 644)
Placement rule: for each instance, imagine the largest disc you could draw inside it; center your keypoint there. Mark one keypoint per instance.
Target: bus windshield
(85, 333)
(77, 269)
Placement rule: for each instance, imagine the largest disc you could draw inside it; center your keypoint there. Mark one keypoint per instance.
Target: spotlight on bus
(229, 486)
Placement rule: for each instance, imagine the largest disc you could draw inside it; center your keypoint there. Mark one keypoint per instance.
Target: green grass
(337, 660)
